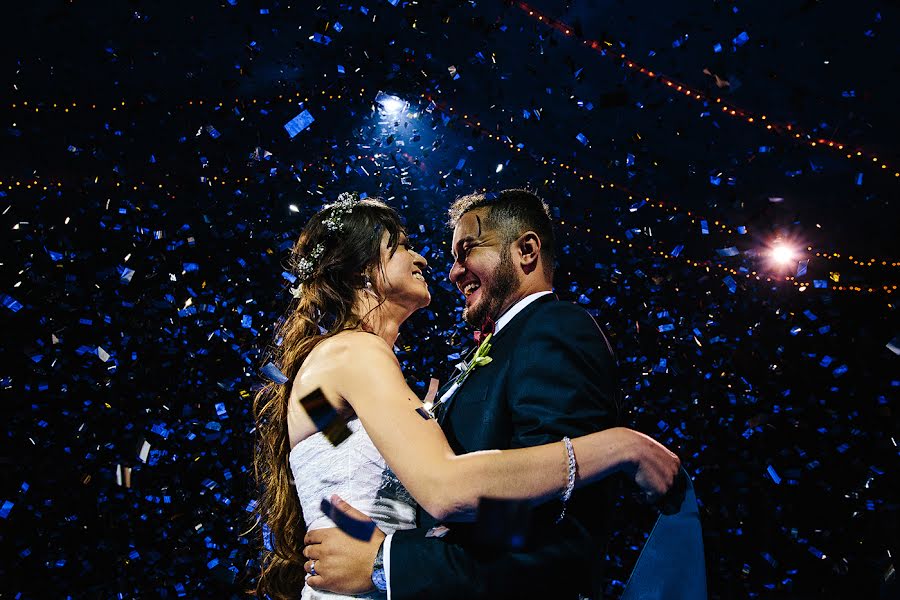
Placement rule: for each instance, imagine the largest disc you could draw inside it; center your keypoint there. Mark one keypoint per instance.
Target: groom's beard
(502, 286)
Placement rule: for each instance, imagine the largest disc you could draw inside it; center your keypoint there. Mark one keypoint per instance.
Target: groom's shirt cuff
(387, 562)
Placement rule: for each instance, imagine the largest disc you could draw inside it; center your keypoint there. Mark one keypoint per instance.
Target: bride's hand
(656, 471)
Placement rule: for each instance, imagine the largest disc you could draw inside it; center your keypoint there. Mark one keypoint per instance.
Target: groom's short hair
(512, 213)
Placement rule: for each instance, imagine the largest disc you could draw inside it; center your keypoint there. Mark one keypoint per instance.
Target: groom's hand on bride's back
(343, 564)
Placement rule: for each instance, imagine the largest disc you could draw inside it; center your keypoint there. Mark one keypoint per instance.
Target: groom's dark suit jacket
(553, 374)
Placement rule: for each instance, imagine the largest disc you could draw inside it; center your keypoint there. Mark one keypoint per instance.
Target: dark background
(146, 195)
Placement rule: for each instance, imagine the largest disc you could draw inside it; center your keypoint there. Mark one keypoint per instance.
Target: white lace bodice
(355, 471)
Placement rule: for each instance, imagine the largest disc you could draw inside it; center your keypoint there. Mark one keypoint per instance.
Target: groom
(552, 374)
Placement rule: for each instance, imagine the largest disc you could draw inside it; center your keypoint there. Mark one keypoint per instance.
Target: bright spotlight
(782, 255)
(390, 105)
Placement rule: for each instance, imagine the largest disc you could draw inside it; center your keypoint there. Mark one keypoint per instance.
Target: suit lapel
(445, 408)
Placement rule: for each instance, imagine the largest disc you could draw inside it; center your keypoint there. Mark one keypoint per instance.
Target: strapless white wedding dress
(355, 471)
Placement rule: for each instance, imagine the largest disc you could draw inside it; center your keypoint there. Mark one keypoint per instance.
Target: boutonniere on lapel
(480, 359)
(483, 339)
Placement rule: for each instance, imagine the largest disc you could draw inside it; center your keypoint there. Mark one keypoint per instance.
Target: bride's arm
(367, 375)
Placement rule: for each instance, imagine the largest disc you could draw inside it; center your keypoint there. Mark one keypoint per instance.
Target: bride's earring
(369, 286)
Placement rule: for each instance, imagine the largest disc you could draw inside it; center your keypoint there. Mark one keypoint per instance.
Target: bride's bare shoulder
(348, 346)
(332, 360)
(336, 362)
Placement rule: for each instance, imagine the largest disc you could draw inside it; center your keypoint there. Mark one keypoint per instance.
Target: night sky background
(150, 190)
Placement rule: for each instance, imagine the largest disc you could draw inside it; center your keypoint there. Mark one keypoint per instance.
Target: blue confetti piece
(859, 179)
(666, 327)
(5, 509)
(125, 274)
(10, 303)
(840, 371)
(704, 227)
(801, 267)
(730, 283)
(361, 530)
(338, 27)
(773, 474)
(730, 251)
(715, 180)
(820, 284)
(160, 430)
(273, 373)
(677, 250)
(810, 315)
(741, 39)
(717, 48)
(581, 138)
(299, 123)
(321, 39)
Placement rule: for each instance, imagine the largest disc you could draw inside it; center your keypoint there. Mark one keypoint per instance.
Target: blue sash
(671, 565)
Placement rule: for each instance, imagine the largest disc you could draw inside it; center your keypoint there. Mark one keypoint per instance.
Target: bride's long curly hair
(328, 295)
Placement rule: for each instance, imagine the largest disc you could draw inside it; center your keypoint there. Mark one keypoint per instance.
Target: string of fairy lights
(588, 177)
(583, 175)
(38, 107)
(607, 49)
(709, 265)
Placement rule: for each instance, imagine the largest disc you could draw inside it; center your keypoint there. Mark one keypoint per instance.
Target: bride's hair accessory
(339, 209)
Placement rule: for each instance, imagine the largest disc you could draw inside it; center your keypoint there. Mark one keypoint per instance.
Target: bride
(360, 279)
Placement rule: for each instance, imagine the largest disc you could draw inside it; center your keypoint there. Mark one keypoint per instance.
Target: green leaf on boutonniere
(481, 358)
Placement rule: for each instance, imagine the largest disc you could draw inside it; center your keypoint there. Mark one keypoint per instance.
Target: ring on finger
(312, 568)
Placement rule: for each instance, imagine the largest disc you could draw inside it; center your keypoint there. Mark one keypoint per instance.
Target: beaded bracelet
(570, 477)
